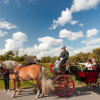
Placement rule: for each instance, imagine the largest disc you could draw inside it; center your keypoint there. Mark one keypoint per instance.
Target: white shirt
(88, 65)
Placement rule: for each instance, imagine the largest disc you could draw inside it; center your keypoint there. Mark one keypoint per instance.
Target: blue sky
(40, 27)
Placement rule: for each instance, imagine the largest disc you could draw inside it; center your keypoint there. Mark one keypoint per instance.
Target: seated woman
(88, 63)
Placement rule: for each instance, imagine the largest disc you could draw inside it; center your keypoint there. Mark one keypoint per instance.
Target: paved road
(80, 93)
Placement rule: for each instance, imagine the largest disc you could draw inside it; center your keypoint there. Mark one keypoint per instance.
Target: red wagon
(64, 84)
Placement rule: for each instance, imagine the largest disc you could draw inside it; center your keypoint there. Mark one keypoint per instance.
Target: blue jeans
(6, 81)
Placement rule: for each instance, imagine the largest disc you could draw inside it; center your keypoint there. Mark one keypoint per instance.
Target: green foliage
(45, 59)
(10, 55)
(52, 60)
(81, 57)
(24, 63)
(96, 54)
(48, 59)
(47, 69)
(2, 58)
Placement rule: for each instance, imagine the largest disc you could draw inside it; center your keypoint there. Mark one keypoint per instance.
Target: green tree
(8, 55)
(43, 60)
(2, 58)
(96, 54)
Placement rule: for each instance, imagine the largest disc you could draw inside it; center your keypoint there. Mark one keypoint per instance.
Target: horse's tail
(47, 84)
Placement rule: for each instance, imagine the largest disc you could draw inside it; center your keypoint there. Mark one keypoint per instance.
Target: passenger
(94, 63)
(88, 63)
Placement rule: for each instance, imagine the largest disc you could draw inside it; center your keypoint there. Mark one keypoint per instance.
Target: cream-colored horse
(31, 72)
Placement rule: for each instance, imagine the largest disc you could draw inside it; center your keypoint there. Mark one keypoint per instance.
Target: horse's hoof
(17, 93)
(20, 89)
(46, 95)
(41, 95)
(12, 96)
(37, 97)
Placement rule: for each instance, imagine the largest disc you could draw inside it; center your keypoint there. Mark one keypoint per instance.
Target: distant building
(30, 60)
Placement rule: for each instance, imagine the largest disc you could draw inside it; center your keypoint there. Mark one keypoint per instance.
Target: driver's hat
(63, 46)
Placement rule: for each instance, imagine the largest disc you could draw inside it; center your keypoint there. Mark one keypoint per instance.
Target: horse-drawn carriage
(64, 84)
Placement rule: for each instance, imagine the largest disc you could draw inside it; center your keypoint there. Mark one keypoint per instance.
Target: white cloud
(86, 49)
(7, 25)
(2, 34)
(93, 41)
(48, 46)
(45, 48)
(73, 22)
(53, 51)
(47, 43)
(6, 1)
(70, 35)
(56, 51)
(91, 33)
(19, 36)
(49, 50)
(15, 43)
(79, 5)
(81, 24)
(66, 16)
(83, 41)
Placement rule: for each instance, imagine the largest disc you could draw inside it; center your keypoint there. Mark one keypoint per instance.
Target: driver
(62, 59)
(64, 55)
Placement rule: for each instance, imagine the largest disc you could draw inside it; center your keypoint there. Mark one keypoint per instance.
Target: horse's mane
(9, 64)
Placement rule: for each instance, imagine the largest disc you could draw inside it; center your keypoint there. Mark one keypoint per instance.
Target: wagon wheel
(64, 85)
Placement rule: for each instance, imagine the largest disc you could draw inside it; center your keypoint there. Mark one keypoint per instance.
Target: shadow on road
(79, 91)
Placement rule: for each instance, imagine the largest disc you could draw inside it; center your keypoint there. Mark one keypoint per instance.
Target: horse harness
(17, 75)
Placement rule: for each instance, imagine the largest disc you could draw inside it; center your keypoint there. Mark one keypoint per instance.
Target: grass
(47, 69)
(23, 84)
(48, 74)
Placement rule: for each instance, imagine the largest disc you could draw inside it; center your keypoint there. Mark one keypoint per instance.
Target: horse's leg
(18, 87)
(42, 93)
(14, 92)
(38, 88)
